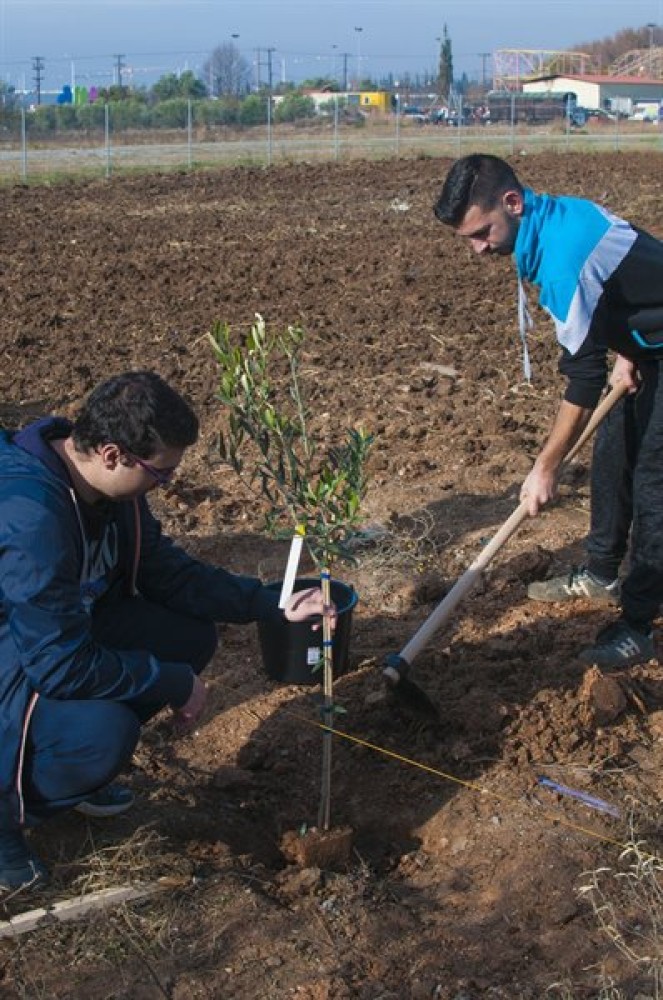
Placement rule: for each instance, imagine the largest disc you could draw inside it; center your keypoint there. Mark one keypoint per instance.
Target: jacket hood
(33, 441)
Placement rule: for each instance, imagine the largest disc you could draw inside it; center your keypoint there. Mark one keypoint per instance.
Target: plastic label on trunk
(312, 656)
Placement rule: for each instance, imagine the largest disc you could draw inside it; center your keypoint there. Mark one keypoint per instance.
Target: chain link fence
(106, 148)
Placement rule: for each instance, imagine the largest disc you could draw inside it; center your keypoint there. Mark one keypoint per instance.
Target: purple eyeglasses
(160, 476)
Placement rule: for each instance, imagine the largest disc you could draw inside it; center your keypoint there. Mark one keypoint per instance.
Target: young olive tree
(270, 445)
(286, 466)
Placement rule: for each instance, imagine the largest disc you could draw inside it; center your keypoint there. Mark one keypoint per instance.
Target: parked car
(415, 113)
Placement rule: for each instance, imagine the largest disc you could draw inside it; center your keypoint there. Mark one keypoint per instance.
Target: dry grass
(626, 902)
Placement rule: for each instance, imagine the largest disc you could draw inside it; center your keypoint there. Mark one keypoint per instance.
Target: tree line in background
(227, 96)
(608, 50)
(129, 110)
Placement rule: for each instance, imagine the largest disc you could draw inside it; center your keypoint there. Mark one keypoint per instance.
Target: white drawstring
(525, 323)
(85, 569)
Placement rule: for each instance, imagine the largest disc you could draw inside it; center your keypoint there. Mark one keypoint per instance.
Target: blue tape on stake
(327, 642)
(589, 800)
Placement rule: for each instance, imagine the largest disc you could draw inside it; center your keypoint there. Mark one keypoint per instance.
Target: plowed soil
(462, 883)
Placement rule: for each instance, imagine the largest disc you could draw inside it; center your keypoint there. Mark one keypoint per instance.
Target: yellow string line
(553, 817)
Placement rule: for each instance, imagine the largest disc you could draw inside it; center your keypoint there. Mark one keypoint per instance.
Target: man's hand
(306, 604)
(187, 716)
(539, 488)
(625, 372)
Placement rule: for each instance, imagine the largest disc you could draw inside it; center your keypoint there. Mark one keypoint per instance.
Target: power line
(484, 56)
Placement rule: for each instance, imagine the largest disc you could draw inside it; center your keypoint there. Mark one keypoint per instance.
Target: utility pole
(269, 69)
(483, 56)
(119, 66)
(38, 68)
(652, 29)
(359, 31)
(268, 63)
(345, 56)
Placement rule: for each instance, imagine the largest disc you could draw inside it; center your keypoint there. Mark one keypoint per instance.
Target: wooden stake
(79, 907)
(324, 816)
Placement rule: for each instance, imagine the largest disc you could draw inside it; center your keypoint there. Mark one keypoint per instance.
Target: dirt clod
(327, 849)
(602, 698)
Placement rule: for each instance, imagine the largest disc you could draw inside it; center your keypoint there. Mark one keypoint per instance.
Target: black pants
(76, 747)
(627, 498)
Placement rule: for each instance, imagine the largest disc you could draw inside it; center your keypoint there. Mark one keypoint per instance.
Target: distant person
(601, 281)
(103, 620)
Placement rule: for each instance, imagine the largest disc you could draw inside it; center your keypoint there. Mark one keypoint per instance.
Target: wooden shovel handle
(469, 578)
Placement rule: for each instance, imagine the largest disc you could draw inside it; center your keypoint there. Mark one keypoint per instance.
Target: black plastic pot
(292, 651)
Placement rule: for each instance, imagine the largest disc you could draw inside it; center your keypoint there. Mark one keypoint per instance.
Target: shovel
(397, 665)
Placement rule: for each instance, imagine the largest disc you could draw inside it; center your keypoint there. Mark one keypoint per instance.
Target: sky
(79, 40)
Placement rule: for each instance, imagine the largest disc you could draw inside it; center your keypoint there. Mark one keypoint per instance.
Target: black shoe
(19, 867)
(619, 645)
(579, 583)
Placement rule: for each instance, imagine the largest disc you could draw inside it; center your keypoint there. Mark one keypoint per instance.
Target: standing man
(601, 281)
(103, 620)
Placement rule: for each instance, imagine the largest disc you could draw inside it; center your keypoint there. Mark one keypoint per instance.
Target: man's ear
(111, 455)
(513, 203)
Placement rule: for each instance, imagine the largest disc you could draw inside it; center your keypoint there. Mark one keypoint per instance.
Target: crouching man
(103, 620)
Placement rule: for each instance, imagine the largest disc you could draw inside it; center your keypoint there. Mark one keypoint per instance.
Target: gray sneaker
(579, 583)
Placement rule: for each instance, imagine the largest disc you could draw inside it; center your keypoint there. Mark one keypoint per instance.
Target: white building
(601, 92)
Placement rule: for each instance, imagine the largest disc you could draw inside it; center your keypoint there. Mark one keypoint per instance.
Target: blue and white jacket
(601, 281)
(46, 644)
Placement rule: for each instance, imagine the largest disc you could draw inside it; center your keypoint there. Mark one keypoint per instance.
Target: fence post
(513, 123)
(568, 124)
(189, 134)
(107, 138)
(269, 127)
(24, 147)
(398, 124)
(337, 147)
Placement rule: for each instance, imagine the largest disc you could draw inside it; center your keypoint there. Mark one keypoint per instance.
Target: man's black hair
(137, 411)
(479, 179)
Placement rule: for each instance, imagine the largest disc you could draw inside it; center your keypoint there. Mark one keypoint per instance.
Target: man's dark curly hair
(137, 411)
(479, 179)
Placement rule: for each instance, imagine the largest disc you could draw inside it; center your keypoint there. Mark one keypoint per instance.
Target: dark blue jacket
(46, 644)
